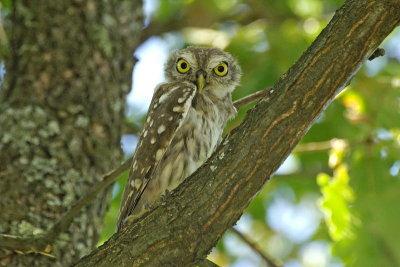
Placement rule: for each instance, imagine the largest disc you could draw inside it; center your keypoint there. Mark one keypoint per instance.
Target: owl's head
(211, 69)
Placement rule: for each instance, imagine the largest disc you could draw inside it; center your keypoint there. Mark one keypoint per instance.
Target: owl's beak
(201, 79)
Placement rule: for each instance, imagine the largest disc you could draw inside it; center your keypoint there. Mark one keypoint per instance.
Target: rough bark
(61, 114)
(186, 226)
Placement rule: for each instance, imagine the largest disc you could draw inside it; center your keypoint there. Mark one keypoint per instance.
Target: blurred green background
(334, 202)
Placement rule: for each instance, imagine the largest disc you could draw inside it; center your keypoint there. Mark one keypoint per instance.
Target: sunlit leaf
(337, 195)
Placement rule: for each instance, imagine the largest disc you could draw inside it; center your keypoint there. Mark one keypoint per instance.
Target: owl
(183, 126)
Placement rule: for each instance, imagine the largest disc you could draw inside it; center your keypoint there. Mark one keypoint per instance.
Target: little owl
(183, 127)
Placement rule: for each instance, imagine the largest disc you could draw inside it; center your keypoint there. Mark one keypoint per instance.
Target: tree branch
(253, 97)
(255, 248)
(190, 222)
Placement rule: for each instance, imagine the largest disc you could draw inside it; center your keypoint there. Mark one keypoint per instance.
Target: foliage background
(334, 201)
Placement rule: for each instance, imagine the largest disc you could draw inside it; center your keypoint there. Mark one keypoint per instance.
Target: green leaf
(6, 4)
(337, 196)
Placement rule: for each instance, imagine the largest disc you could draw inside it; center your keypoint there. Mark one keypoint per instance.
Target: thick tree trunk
(185, 227)
(61, 112)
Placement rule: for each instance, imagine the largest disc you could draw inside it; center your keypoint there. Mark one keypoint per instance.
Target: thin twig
(322, 146)
(17, 243)
(130, 128)
(255, 248)
(250, 98)
(109, 178)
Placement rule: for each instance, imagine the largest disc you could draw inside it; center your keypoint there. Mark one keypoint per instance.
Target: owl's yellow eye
(221, 69)
(182, 66)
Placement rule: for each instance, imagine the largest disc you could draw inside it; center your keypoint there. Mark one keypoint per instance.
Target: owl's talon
(166, 195)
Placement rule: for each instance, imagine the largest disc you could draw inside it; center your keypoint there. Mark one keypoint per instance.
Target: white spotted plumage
(183, 127)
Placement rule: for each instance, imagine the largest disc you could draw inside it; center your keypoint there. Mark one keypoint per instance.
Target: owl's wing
(168, 109)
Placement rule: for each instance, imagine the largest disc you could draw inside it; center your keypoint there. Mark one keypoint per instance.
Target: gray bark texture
(185, 227)
(62, 104)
